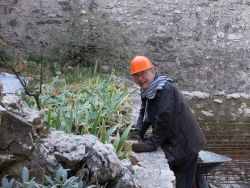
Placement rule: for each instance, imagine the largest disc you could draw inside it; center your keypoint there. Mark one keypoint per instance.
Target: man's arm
(141, 127)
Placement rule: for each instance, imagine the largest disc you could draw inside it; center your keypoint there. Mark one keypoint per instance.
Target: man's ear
(153, 71)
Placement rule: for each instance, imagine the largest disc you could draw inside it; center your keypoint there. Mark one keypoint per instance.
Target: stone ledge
(153, 171)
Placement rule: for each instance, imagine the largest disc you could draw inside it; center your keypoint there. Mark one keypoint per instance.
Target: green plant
(61, 179)
(98, 102)
(105, 134)
(5, 56)
(6, 183)
(26, 181)
(49, 65)
(120, 141)
(88, 102)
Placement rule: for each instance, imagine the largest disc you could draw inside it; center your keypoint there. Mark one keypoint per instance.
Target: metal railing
(232, 140)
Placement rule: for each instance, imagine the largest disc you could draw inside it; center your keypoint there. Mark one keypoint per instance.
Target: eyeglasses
(142, 74)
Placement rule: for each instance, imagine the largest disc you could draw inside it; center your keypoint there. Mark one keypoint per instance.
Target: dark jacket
(174, 126)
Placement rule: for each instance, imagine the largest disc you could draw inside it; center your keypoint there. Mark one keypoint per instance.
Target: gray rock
(20, 147)
(71, 150)
(16, 135)
(153, 171)
(126, 179)
(235, 36)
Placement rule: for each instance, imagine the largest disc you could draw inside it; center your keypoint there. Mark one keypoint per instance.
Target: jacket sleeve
(141, 126)
(165, 107)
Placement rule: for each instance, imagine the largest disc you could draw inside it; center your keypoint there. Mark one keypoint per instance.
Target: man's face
(144, 78)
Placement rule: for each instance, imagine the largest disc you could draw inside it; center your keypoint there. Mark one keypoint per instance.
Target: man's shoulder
(170, 87)
(170, 83)
(170, 80)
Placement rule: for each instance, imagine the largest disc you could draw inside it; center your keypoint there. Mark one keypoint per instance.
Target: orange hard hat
(140, 63)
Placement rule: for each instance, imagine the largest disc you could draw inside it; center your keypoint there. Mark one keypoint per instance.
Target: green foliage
(6, 183)
(105, 134)
(6, 59)
(26, 182)
(60, 178)
(98, 102)
(77, 100)
(5, 56)
(49, 66)
(34, 58)
(86, 105)
(120, 141)
(25, 175)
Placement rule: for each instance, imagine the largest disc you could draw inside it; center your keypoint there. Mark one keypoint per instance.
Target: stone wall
(203, 44)
(219, 107)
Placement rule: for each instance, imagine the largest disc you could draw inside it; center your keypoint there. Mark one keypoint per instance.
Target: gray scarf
(150, 92)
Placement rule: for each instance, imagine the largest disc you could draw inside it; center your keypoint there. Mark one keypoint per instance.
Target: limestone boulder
(22, 146)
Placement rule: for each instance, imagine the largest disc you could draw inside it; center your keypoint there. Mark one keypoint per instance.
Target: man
(174, 127)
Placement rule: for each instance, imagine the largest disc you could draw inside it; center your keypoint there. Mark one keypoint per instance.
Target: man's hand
(140, 147)
(135, 135)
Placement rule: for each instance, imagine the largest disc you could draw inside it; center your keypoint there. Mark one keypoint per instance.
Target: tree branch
(23, 83)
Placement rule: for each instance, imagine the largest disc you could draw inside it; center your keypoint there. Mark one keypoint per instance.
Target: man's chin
(144, 87)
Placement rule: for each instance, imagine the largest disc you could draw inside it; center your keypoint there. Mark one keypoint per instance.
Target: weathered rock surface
(203, 44)
(22, 145)
(74, 150)
(16, 134)
(219, 107)
(153, 171)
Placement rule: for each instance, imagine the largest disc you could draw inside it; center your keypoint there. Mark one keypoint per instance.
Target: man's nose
(140, 77)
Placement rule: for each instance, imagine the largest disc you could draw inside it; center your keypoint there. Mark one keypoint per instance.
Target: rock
(71, 150)
(7, 160)
(126, 180)
(153, 173)
(16, 135)
(237, 96)
(198, 94)
(247, 112)
(218, 101)
(13, 104)
(81, 153)
(235, 36)
(207, 113)
(243, 105)
(20, 147)
(66, 6)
